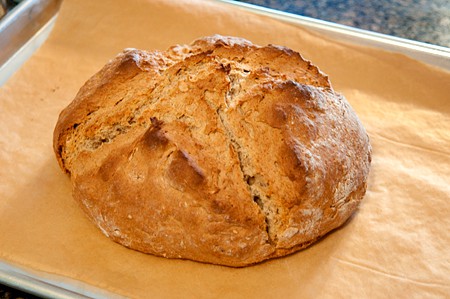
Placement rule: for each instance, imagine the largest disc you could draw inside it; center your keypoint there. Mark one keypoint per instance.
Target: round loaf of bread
(221, 151)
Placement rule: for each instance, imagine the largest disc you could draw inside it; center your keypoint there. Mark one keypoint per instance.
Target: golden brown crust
(220, 151)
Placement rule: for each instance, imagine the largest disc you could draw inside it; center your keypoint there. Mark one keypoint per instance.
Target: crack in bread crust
(220, 151)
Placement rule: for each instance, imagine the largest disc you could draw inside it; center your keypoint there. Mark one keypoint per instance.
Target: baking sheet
(22, 22)
(49, 286)
(396, 243)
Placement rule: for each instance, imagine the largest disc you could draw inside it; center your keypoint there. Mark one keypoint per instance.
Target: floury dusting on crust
(220, 151)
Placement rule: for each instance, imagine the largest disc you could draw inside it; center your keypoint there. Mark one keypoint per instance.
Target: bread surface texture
(220, 151)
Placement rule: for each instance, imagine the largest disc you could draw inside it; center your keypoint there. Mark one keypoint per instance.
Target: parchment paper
(396, 245)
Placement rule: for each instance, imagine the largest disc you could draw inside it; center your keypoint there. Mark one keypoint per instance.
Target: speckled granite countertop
(421, 20)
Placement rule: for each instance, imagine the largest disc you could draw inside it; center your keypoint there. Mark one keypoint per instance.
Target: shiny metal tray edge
(431, 54)
(22, 22)
(22, 30)
(18, 58)
(49, 286)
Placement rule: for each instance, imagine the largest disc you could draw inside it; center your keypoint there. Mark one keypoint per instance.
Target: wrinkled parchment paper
(396, 245)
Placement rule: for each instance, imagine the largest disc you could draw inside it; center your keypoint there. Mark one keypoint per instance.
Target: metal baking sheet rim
(49, 285)
(431, 54)
(44, 284)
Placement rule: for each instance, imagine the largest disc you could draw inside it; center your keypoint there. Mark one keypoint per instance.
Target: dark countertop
(421, 20)
(10, 293)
